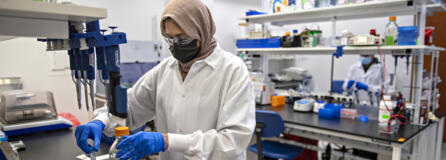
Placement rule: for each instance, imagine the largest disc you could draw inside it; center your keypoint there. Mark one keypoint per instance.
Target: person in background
(201, 99)
(366, 76)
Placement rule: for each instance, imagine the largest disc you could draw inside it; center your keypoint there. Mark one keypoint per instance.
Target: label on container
(390, 41)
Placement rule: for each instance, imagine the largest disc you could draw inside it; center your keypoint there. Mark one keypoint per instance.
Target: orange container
(277, 101)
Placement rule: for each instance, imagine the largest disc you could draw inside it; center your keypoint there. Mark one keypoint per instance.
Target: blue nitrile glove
(350, 84)
(360, 85)
(137, 146)
(92, 130)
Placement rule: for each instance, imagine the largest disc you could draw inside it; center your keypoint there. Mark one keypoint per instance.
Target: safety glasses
(178, 41)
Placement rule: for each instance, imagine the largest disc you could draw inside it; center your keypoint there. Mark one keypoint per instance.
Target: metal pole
(437, 57)
(331, 77)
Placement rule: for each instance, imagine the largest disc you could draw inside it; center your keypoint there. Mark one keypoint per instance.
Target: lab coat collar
(211, 60)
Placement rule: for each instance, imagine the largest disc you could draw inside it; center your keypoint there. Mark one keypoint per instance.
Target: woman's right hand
(92, 130)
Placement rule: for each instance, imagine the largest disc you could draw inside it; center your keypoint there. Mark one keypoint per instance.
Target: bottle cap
(122, 131)
(392, 18)
(287, 33)
(372, 31)
(295, 31)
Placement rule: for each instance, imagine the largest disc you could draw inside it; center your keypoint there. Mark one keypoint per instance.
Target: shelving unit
(381, 8)
(41, 19)
(347, 50)
(344, 12)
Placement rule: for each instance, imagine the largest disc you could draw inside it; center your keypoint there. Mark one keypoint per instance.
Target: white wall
(226, 16)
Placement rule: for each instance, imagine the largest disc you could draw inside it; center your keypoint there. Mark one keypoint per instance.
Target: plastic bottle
(385, 114)
(277, 6)
(119, 133)
(318, 105)
(391, 32)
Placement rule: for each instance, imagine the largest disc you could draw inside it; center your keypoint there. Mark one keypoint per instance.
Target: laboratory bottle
(386, 107)
(119, 133)
(391, 32)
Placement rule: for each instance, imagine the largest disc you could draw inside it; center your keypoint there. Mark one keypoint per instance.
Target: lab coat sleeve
(235, 125)
(348, 78)
(377, 86)
(140, 107)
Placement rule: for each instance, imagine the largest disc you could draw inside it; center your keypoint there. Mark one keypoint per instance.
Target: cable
(393, 116)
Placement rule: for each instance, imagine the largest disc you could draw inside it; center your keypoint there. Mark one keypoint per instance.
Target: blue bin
(331, 111)
(259, 43)
(407, 35)
(327, 113)
(254, 12)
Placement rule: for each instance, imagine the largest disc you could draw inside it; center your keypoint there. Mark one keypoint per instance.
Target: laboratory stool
(270, 124)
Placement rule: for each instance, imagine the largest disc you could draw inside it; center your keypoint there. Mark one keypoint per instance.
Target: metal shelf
(347, 50)
(342, 12)
(26, 18)
(50, 11)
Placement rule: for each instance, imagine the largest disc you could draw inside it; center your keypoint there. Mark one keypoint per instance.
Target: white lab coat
(211, 115)
(373, 78)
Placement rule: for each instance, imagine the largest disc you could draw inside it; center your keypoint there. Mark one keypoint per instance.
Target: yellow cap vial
(122, 131)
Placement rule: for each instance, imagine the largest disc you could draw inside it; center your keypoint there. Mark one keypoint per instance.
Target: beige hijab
(195, 19)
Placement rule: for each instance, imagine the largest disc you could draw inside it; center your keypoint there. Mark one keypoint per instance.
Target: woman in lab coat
(365, 79)
(201, 99)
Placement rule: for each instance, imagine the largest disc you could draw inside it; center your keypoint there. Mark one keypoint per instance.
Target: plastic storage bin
(330, 111)
(259, 43)
(407, 35)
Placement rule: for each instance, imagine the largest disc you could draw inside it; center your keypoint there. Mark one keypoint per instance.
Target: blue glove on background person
(141, 144)
(92, 130)
(363, 86)
(350, 84)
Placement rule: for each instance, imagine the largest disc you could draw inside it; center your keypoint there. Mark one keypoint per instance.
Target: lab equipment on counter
(84, 40)
(277, 101)
(119, 133)
(296, 73)
(263, 92)
(259, 43)
(304, 105)
(318, 105)
(386, 107)
(348, 113)
(10, 83)
(364, 40)
(23, 112)
(391, 32)
(330, 111)
(407, 35)
(7, 150)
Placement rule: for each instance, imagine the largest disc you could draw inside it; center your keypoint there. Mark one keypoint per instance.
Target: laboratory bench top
(52, 145)
(347, 126)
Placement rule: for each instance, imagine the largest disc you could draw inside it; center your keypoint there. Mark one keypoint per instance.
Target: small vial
(92, 155)
(119, 133)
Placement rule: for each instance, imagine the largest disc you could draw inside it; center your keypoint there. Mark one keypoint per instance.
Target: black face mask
(184, 50)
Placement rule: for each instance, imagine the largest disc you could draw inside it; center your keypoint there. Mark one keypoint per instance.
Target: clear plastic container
(119, 133)
(391, 32)
(20, 106)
